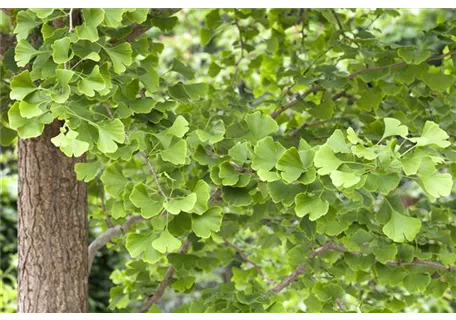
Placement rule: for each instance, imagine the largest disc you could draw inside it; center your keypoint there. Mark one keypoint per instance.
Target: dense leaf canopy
(273, 160)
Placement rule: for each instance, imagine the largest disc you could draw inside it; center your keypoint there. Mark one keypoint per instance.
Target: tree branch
(247, 259)
(164, 283)
(330, 246)
(138, 30)
(154, 174)
(352, 75)
(104, 238)
(315, 124)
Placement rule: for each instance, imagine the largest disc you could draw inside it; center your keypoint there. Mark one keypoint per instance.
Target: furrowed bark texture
(52, 229)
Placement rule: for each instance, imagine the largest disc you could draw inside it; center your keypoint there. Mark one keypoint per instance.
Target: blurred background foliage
(209, 52)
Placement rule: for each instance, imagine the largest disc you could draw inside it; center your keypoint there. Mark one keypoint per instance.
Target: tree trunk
(52, 229)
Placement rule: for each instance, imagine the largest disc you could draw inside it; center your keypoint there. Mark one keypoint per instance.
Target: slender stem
(352, 75)
(330, 246)
(154, 174)
(164, 283)
(104, 238)
(70, 17)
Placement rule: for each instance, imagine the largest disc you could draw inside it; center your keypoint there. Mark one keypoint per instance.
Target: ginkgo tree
(279, 160)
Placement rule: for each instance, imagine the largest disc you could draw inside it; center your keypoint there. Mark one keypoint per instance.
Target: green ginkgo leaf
(393, 127)
(266, 154)
(202, 197)
(415, 283)
(30, 110)
(304, 205)
(120, 56)
(26, 128)
(344, 179)
(26, 21)
(437, 185)
(353, 137)
(21, 86)
(401, 228)
(208, 223)
(413, 55)
(88, 30)
(179, 127)
(60, 50)
(438, 81)
(69, 145)
(108, 134)
(62, 94)
(411, 164)
(184, 70)
(166, 242)
(214, 135)
(150, 205)
(93, 82)
(150, 80)
(113, 179)
(337, 142)
(87, 171)
(24, 52)
(42, 13)
(290, 164)
(364, 152)
(137, 243)
(241, 152)
(432, 135)
(185, 204)
(113, 17)
(260, 125)
(228, 174)
(326, 160)
(176, 153)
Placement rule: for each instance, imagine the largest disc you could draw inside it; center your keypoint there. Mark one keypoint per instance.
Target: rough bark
(52, 229)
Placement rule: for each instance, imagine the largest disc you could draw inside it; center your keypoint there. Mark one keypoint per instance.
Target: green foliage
(331, 162)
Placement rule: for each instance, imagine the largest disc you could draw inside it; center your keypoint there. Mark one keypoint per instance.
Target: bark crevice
(52, 229)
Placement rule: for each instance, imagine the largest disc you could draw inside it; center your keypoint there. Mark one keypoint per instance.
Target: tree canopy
(252, 160)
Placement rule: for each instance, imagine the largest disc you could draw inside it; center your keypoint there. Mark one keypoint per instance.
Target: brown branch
(108, 110)
(340, 306)
(288, 280)
(104, 238)
(164, 283)
(330, 246)
(154, 174)
(315, 124)
(137, 31)
(290, 104)
(352, 75)
(247, 259)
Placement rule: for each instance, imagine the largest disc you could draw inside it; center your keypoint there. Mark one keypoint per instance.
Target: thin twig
(108, 110)
(288, 279)
(315, 124)
(319, 57)
(138, 30)
(340, 306)
(330, 246)
(70, 17)
(154, 174)
(247, 259)
(352, 75)
(290, 104)
(104, 238)
(164, 283)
